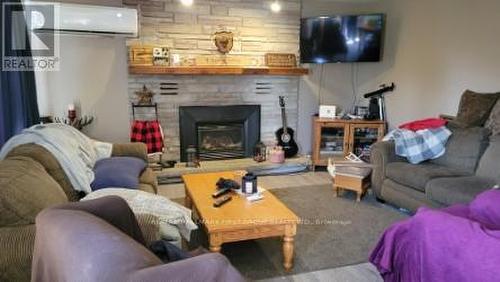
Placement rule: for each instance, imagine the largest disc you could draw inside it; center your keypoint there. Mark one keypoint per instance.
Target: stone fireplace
(219, 132)
(189, 32)
(216, 91)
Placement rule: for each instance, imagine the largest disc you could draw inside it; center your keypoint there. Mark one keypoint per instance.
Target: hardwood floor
(364, 272)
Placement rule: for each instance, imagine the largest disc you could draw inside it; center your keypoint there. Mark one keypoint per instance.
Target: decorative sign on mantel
(281, 60)
(149, 55)
(141, 55)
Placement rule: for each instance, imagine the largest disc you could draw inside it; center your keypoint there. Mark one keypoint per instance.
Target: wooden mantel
(217, 70)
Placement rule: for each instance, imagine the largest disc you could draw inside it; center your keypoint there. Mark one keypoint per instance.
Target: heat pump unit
(90, 19)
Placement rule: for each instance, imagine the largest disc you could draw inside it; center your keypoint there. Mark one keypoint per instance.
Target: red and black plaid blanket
(148, 132)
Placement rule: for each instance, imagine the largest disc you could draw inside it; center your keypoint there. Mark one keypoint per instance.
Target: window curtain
(18, 100)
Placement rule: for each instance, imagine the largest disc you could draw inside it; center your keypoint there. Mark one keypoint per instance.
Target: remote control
(221, 201)
(220, 192)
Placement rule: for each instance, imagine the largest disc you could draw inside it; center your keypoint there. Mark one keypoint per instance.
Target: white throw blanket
(75, 152)
(150, 204)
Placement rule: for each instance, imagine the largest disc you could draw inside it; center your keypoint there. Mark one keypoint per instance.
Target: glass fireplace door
(221, 141)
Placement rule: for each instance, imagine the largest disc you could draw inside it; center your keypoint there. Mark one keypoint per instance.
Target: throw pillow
(493, 122)
(475, 108)
(486, 210)
(119, 172)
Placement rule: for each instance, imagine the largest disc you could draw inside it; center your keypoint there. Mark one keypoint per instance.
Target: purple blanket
(459, 243)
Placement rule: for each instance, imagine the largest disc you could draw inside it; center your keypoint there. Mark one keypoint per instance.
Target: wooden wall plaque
(141, 55)
(281, 60)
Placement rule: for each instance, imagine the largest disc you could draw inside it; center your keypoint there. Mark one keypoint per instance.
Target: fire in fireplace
(219, 141)
(220, 132)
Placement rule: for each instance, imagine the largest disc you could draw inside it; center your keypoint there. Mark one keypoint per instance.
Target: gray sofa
(469, 166)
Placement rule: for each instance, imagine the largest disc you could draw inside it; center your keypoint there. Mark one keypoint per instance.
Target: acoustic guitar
(285, 134)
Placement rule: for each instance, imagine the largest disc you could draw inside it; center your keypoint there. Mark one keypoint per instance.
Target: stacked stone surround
(188, 31)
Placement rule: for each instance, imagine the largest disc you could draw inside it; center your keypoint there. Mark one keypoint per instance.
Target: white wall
(439, 48)
(434, 50)
(335, 79)
(93, 75)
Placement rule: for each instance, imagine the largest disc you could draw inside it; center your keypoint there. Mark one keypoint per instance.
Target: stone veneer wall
(188, 31)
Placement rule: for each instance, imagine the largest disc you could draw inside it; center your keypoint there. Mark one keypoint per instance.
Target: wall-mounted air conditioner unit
(90, 19)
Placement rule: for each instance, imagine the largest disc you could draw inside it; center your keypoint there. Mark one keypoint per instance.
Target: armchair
(100, 240)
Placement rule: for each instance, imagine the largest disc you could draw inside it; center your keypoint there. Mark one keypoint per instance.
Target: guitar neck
(283, 119)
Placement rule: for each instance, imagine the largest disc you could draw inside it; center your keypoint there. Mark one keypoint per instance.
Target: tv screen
(352, 38)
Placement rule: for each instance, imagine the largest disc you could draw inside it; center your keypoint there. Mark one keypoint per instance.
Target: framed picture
(161, 56)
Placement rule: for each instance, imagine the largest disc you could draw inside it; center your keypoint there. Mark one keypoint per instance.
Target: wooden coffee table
(239, 219)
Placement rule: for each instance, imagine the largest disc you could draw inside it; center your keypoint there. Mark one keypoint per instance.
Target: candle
(71, 112)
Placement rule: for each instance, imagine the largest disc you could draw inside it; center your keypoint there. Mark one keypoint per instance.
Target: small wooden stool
(357, 184)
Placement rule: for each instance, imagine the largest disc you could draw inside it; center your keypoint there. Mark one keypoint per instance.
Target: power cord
(354, 86)
(322, 70)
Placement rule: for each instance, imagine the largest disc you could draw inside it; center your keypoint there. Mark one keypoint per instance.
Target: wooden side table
(352, 183)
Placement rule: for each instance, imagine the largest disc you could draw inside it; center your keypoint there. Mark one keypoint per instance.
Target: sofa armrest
(113, 210)
(207, 267)
(148, 177)
(16, 245)
(138, 150)
(382, 153)
(111, 255)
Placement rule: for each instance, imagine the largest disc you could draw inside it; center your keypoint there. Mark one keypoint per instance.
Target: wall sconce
(276, 7)
(187, 3)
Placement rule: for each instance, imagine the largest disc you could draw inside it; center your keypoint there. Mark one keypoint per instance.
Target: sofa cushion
(464, 149)
(475, 108)
(457, 190)
(120, 172)
(493, 122)
(417, 176)
(26, 189)
(405, 197)
(489, 165)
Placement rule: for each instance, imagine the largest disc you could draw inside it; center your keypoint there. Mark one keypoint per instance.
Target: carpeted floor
(340, 232)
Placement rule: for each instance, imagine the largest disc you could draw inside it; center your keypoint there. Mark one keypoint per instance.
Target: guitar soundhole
(286, 138)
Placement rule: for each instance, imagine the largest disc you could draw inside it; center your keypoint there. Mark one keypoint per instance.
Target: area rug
(335, 232)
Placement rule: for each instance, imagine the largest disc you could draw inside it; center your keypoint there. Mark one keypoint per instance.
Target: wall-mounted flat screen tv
(346, 38)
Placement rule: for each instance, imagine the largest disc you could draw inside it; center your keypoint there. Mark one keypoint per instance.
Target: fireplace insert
(220, 132)
(219, 141)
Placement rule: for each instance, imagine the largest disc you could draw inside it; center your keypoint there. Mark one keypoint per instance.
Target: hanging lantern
(249, 184)
(259, 152)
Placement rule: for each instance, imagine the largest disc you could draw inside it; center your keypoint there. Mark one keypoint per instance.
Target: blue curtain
(18, 101)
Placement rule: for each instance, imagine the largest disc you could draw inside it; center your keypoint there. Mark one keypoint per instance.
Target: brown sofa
(31, 180)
